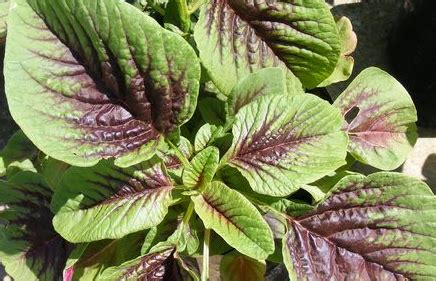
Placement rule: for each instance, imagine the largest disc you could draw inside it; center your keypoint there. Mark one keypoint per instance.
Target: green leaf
(97, 256)
(282, 142)
(235, 219)
(52, 171)
(212, 111)
(154, 266)
(160, 234)
(234, 179)
(379, 119)
(380, 227)
(314, 191)
(30, 249)
(345, 64)
(91, 80)
(184, 236)
(184, 239)
(172, 162)
(267, 81)
(236, 267)
(206, 135)
(202, 168)
(74, 256)
(107, 202)
(237, 37)
(18, 154)
(4, 10)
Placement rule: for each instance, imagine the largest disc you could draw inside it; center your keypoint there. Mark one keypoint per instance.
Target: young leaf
(184, 239)
(202, 168)
(282, 142)
(237, 267)
(237, 37)
(154, 266)
(30, 249)
(97, 79)
(205, 135)
(107, 202)
(380, 116)
(4, 10)
(171, 160)
(235, 219)
(267, 81)
(345, 64)
(376, 228)
(19, 153)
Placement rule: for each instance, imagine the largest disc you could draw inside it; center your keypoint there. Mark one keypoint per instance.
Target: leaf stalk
(205, 272)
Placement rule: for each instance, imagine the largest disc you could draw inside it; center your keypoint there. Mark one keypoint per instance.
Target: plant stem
(185, 22)
(205, 273)
(156, 8)
(188, 213)
(179, 154)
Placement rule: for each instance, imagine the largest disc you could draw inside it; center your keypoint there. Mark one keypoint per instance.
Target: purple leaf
(153, 267)
(97, 79)
(376, 228)
(380, 119)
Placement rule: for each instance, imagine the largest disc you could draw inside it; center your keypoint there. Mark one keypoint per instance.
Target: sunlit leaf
(155, 266)
(206, 135)
(267, 81)
(376, 228)
(237, 37)
(282, 142)
(235, 219)
(107, 202)
(379, 119)
(202, 168)
(4, 10)
(345, 64)
(88, 80)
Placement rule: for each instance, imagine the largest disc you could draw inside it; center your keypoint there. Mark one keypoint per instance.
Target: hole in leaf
(351, 114)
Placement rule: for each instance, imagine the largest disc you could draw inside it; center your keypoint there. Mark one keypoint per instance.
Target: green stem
(188, 213)
(205, 273)
(156, 8)
(185, 23)
(179, 154)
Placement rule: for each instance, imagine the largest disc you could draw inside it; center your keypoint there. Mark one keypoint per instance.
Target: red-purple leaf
(238, 37)
(282, 142)
(237, 267)
(381, 227)
(87, 80)
(151, 267)
(108, 202)
(380, 119)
